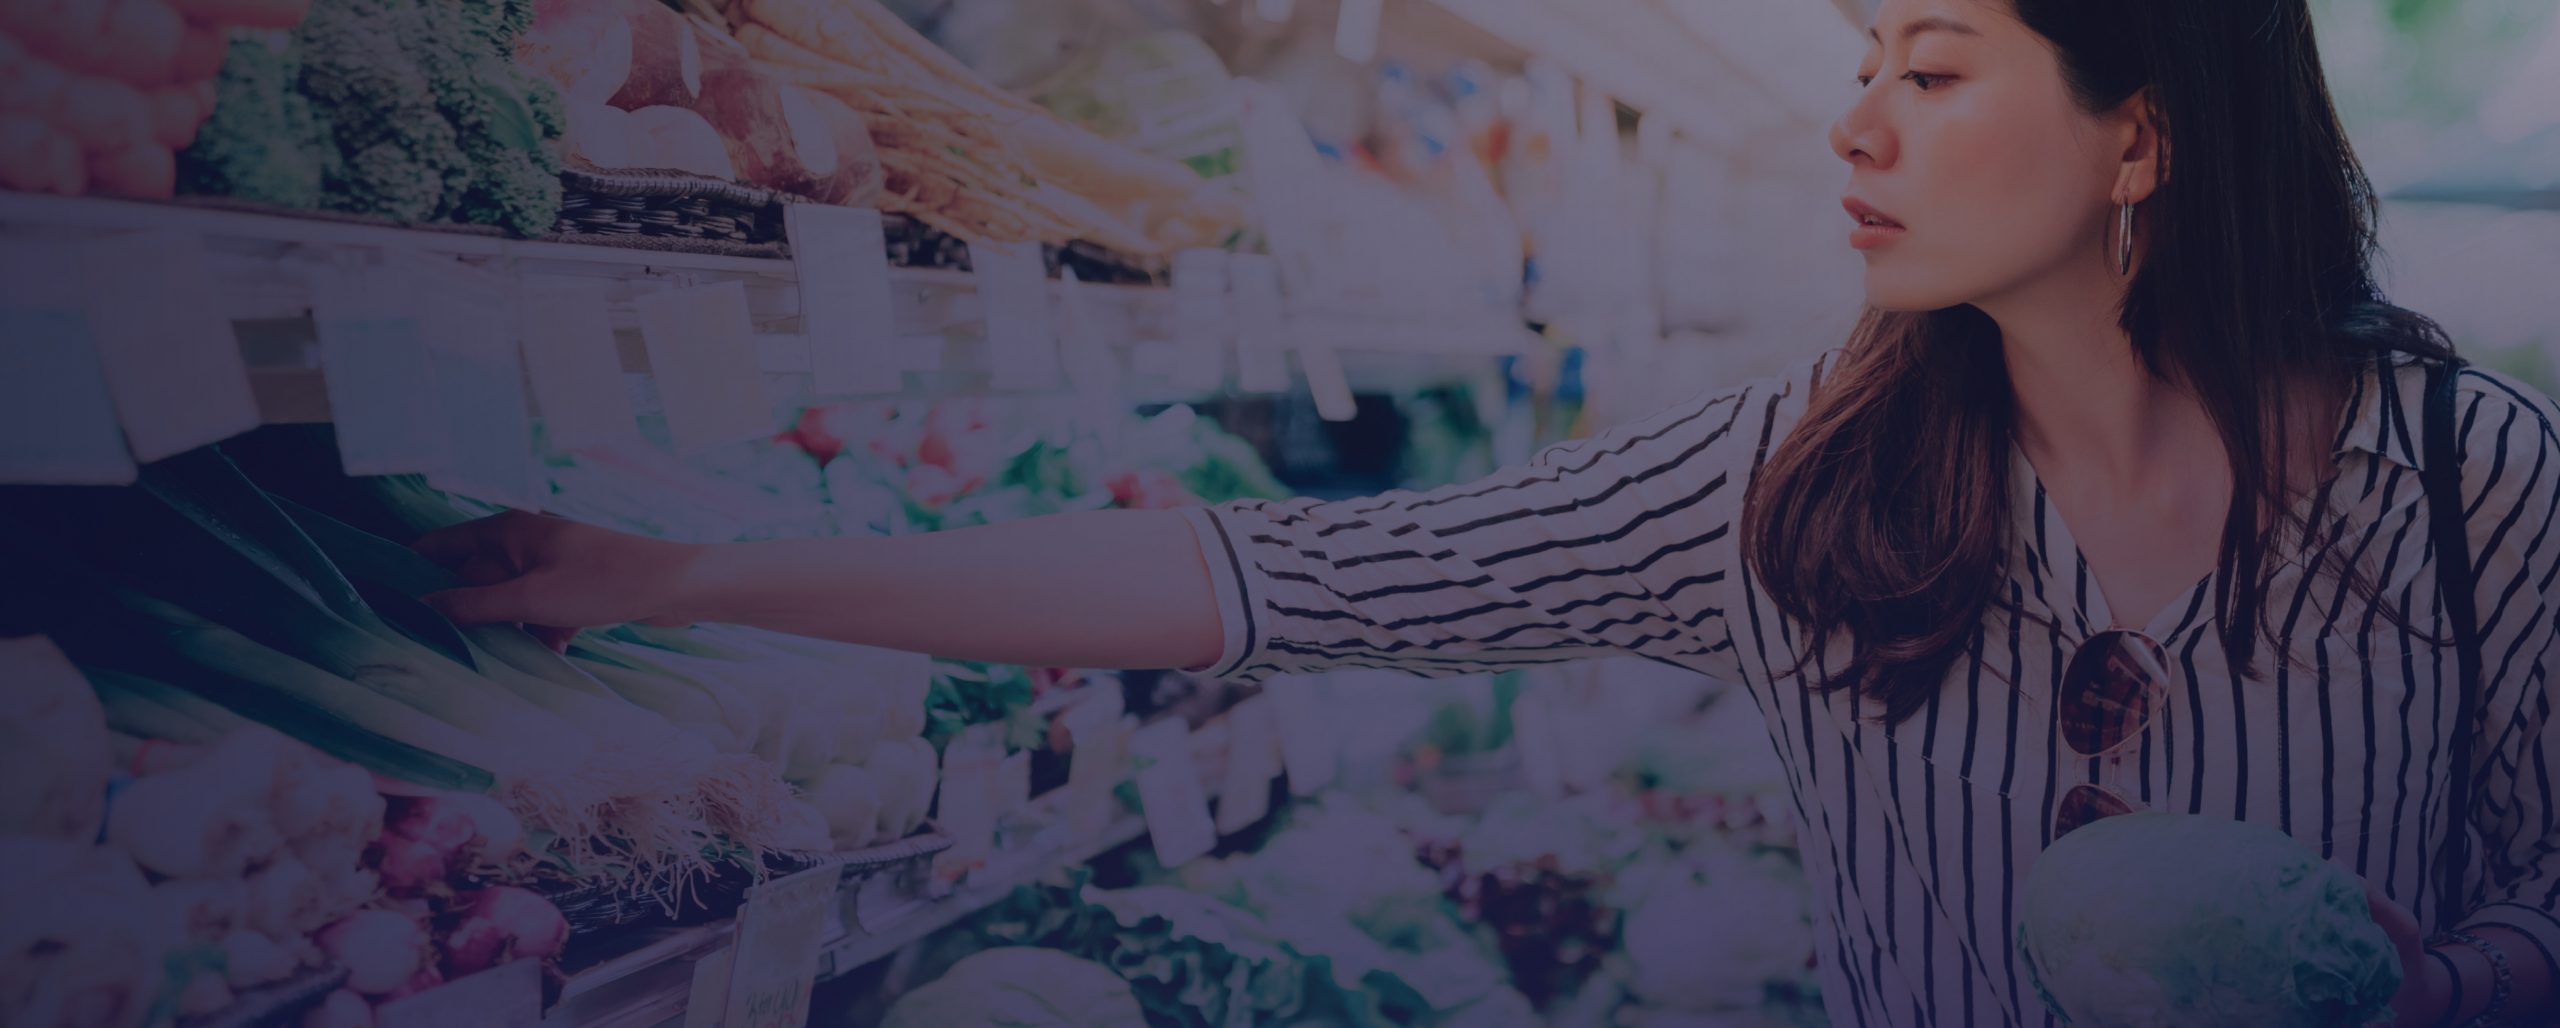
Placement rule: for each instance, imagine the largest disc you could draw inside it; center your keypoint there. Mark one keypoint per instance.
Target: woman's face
(1968, 142)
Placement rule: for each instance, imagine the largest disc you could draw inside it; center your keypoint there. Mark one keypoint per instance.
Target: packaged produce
(2152, 919)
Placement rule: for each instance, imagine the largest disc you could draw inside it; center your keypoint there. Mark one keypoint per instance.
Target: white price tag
(776, 961)
(1200, 319)
(1262, 324)
(165, 342)
(1090, 367)
(1253, 759)
(702, 354)
(1355, 34)
(57, 420)
(573, 365)
(1013, 290)
(1100, 733)
(374, 356)
(471, 330)
(969, 800)
(1170, 793)
(1308, 748)
(1326, 381)
(842, 257)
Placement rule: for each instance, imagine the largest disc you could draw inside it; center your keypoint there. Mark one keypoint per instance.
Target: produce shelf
(265, 265)
(656, 983)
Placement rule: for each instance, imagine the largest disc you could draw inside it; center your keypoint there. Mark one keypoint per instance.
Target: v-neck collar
(2376, 418)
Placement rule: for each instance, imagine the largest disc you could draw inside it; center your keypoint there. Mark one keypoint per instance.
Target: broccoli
(360, 70)
(263, 142)
(416, 112)
(507, 122)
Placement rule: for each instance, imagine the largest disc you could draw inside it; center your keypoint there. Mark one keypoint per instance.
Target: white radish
(850, 799)
(211, 820)
(379, 949)
(251, 959)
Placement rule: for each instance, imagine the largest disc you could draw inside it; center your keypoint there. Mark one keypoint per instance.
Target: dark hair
(1885, 512)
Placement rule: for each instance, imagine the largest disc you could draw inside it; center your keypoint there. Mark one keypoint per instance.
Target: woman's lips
(1868, 237)
(1874, 228)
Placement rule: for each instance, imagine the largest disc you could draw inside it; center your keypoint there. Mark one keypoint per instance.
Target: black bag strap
(2455, 576)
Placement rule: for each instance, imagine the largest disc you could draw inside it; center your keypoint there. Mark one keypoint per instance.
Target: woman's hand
(2424, 994)
(556, 576)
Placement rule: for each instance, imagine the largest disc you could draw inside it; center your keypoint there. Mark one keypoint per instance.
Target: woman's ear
(2143, 148)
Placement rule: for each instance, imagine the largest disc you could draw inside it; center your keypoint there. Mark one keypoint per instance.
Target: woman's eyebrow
(1929, 24)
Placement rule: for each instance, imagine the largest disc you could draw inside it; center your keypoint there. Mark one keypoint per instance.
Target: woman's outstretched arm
(1106, 589)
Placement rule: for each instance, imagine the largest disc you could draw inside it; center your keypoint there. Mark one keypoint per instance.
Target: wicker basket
(669, 210)
(674, 210)
(593, 907)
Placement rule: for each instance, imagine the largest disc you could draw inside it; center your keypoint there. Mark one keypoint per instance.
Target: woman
(2127, 390)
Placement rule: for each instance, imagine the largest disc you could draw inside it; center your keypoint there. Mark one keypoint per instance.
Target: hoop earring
(2124, 238)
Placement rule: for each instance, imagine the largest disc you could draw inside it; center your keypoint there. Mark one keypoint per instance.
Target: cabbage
(1023, 987)
(2177, 921)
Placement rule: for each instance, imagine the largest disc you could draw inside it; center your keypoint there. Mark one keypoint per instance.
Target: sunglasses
(2110, 693)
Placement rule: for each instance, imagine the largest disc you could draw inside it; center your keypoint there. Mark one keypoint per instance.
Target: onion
(380, 950)
(433, 820)
(409, 866)
(468, 831)
(501, 925)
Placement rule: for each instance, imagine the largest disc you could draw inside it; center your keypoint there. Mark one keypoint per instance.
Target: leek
(149, 709)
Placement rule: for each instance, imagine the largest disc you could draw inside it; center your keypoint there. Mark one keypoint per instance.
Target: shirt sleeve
(2512, 476)
(1616, 545)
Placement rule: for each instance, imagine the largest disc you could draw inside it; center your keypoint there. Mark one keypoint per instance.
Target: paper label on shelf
(1091, 370)
(57, 419)
(841, 255)
(1308, 748)
(702, 355)
(708, 997)
(471, 333)
(776, 962)
(1100, 733)
(1355, 32)
(1253, 759)
(573, 365)
(1326, 381)
(165, 342)
(1170, 794)
(1200, 319)
(374, 358)
(1262, 329)
(1013, 290)
(971, 791)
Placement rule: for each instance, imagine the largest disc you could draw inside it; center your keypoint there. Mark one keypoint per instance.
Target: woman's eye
(1926, 82)
(1865, 81)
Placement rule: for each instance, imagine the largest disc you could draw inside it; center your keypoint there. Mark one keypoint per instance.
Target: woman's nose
(1860, 132)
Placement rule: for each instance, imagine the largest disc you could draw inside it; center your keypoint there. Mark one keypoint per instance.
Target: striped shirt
(1916, 837)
